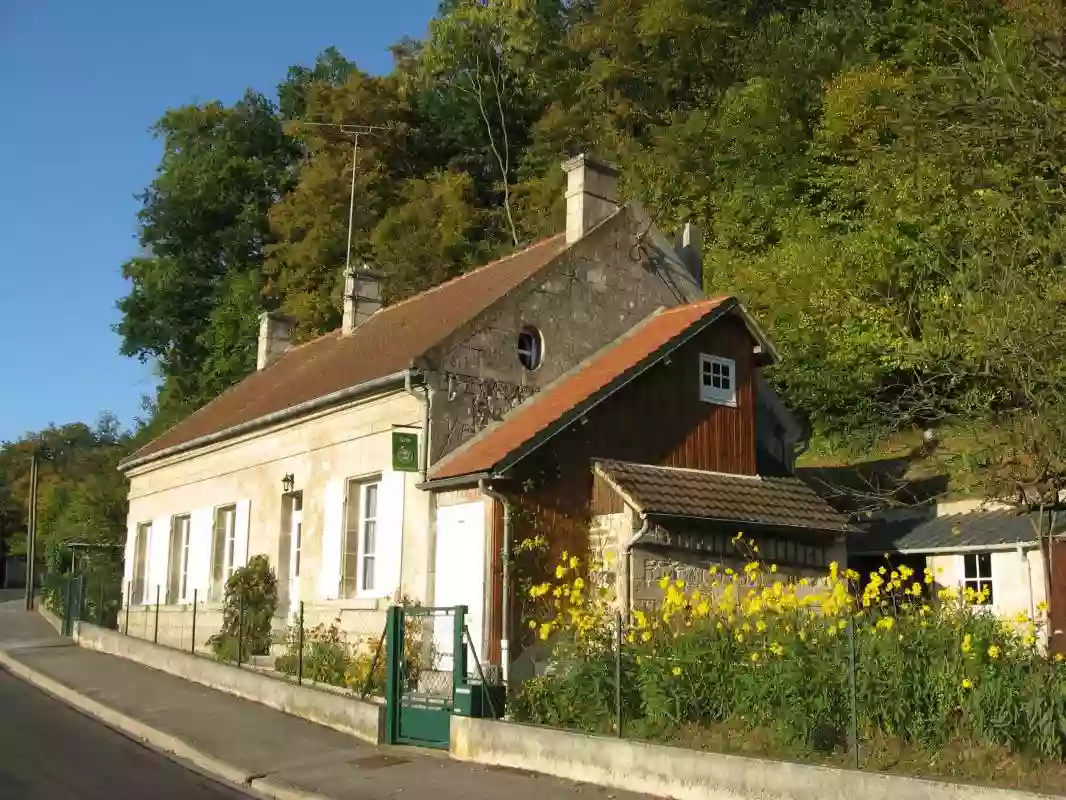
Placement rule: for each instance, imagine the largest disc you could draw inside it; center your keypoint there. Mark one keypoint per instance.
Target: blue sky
(81, 84)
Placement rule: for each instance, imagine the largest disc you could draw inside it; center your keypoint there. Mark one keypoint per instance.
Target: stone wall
(597, 291)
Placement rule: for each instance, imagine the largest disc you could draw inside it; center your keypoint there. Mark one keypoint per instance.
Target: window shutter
(329, 565)
(158, 559)
(130, 556)
(200, 533)
(241, 527)
(390, 531)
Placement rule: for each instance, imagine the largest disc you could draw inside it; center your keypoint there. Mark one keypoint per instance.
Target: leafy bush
(330, 658)
(760, 652)
(247, 611)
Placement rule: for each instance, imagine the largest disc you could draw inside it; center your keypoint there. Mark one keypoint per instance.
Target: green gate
(426, 657)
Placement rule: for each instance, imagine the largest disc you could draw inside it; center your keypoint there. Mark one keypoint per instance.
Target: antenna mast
(353, 132)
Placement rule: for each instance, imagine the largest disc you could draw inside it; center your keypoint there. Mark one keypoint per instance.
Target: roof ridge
(682, 469)
(474, 271)
(424, 292)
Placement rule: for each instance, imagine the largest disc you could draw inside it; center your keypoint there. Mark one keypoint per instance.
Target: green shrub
(247, 611)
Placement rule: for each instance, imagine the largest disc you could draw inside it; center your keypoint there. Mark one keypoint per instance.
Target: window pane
(969, 563)
(371, 501)
(984, 565)
(368, 572)
(725, 382)
(369, 536)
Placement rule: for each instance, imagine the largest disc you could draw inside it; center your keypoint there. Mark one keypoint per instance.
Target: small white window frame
(980, 577)
(728, 371)
(185, 521)
(366, 554)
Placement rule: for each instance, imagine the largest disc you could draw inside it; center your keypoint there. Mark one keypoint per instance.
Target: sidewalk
(243, 742)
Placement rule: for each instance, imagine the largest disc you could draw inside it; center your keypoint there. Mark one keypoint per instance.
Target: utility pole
(31, 531)
(353, 132)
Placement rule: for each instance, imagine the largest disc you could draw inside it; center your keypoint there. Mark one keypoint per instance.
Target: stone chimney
(362, 297)
(689, 247)
(591, 194)
(275, 337)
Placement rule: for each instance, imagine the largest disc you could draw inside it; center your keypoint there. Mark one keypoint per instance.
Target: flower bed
(786, 662)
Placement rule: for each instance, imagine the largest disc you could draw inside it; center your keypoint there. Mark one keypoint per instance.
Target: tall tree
(203, 228)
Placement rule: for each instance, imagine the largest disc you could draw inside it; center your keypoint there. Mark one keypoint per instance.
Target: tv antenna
(350, 132)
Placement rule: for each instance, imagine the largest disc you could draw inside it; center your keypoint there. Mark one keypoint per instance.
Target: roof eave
(307, 407)
(843, 528)
(454, 481)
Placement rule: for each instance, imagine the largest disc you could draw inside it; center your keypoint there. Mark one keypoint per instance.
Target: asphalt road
(48, 751)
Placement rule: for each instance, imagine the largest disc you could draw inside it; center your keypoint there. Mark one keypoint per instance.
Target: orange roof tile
(386, 343)
(578, 388)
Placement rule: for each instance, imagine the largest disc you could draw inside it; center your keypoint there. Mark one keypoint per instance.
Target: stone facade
(595, 292)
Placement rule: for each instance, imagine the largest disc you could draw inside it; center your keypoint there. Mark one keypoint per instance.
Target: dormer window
(718, 380)
(530, 347)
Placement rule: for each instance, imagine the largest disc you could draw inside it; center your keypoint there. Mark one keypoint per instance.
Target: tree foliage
(881, 180)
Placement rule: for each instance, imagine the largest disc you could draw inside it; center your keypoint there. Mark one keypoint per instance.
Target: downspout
(1028, 579)
(627, 554)
(423, 454)
(505, 593)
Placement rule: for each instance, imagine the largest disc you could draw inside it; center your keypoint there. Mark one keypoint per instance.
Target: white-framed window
(178, 580)
(140, 563)
(718, 380)
(296, 530)
(977, 574)
(359, 549)
(223, 546)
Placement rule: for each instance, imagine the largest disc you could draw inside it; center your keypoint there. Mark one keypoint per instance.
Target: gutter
(349, 393)
(946, 551)
(505, 594)
(458, 480)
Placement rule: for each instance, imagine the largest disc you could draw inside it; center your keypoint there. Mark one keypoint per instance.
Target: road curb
(165, 743)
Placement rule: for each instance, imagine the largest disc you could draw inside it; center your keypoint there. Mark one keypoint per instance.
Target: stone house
(381, 461)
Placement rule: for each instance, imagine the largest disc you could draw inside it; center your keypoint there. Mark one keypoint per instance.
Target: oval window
(530, 347)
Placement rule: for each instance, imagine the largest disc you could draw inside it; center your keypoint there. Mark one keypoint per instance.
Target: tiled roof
(386, 343)
(673, 492)
(576, 390)
(983, 529)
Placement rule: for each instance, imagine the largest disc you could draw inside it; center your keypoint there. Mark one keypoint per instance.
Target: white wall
(1012, 576)
(321, 452)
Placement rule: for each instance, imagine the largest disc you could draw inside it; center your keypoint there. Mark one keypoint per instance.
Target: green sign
(404, 451)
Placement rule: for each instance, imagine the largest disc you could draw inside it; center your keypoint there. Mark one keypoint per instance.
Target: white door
(460, 576)
(296, 526)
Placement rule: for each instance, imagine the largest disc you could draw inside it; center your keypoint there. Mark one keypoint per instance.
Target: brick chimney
(275, 337)
(362, 297)
(689, 247)
(591, 194)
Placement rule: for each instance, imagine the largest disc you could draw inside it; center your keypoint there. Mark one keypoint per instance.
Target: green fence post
(393, 659)
(459, 649)
(300, 648)
(240, 628)
(192, 646)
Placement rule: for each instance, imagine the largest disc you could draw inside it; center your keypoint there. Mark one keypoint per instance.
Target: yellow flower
(773, 568)
(532, 624)
(885, 623)
(967, 643)
(739, 637)
(645, 636)
(677, 672)
(760, 626)
(560, 571)
(755, 657)
(679, 584)
(1058, 658)
(993, 652)
(1041, 607)
(777, 649)
(967, 683)
(545, 631)
(664, 581)
(579, 583)
(573, 562)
